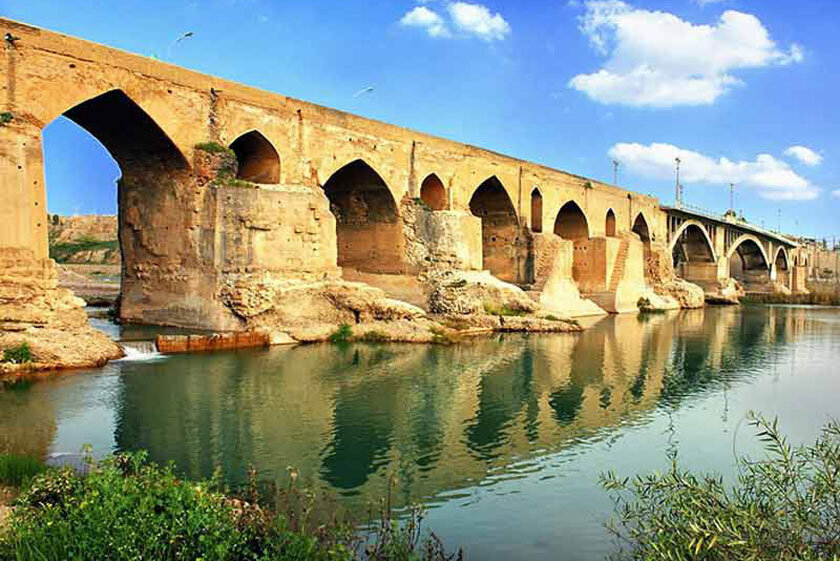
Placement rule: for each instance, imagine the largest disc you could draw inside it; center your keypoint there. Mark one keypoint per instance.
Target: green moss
(213, 148)
(342, 335)
(5, 118)
(21, 354)
(503, 311)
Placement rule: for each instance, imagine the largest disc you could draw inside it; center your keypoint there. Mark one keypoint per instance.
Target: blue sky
(742, 91)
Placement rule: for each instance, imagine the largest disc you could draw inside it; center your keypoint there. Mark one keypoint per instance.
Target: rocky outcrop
(50, 320)
(475, 292)
(728, 293)
(688, 295)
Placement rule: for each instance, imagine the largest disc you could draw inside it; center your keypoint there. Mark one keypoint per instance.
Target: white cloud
(804, 155)
(772, 178)
(425, 18)
(836, 193)
(477, 20)
(468, 19)
(659, 60)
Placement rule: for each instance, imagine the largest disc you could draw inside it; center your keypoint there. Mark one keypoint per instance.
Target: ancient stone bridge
(707, 249)
(228, 194)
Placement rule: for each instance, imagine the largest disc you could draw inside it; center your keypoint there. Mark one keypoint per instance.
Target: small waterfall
(140, 350)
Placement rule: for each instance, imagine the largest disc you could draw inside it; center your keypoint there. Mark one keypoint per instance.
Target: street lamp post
(678, 187)
(616, 163)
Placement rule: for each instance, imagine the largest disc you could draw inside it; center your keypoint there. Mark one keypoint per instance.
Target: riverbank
(819, 294)
(126, 507)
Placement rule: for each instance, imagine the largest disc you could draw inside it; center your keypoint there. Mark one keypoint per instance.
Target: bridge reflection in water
(438, 418)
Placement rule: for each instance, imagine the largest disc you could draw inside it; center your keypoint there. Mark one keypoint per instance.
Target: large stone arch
(499, 228)
(699, 225)
(156, 202)
(368, 227)
(571, 222)
(258, 161)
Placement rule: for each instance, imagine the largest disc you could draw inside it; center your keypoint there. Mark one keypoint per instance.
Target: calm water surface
(502, 437)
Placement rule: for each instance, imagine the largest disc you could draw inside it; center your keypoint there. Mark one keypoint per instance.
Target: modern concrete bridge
(227, 189)
(708, 248)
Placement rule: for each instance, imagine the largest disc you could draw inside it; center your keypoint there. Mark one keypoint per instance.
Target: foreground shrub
(17, 469)
(129, 509)
(786, 506)
(21, 354)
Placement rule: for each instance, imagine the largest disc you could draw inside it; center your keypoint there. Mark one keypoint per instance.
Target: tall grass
(16, 470)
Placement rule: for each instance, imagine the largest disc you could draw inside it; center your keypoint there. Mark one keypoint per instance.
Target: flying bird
(364, 91)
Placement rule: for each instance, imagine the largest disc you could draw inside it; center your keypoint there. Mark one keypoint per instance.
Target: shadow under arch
(641, 228)
(781, 266)
(433, 193)
(748, 263)
(257, 159)
(571, 222)
(368, 230)
(499, 228)
(609, 224)
(536, 211)
(129, 134)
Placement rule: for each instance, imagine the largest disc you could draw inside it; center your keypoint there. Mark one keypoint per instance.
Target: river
(502, 437)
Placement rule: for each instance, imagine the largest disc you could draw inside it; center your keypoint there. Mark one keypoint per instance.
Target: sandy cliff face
(84, 239)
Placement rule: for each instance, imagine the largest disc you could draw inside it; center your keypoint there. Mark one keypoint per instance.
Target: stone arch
(151, 217)
(257, 159)
(536, 210)
(749, 263)
(571, 222)
(499, 228)
(129, 134)
(641, 228)
(433, 193)
(368, 227)
(702, 231)
(609, 224)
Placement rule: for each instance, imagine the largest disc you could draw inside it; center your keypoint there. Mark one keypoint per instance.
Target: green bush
(6, 118)
(16, 469)
(343, 334)
(785, 506)
(20, 354)
(128, 509)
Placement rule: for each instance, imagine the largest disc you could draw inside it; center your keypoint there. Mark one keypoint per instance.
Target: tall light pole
(678, 187)
(616, 163)
(732, 197)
